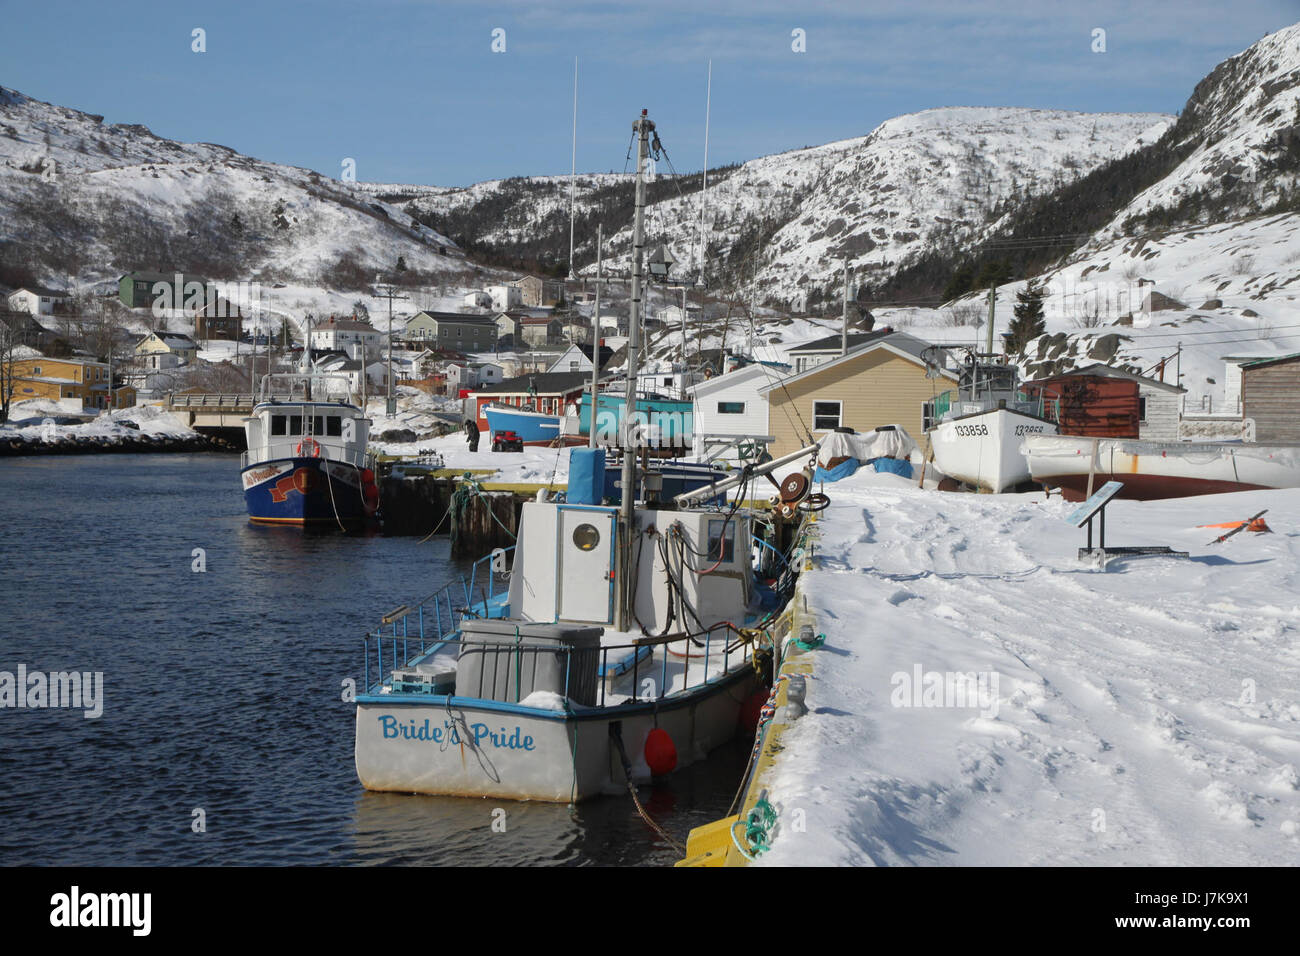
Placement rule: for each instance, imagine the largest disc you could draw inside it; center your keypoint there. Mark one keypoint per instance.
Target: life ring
(312, 446)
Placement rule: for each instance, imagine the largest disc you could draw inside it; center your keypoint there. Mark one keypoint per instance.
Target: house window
(826, 416)
(1142, 408)
(731, 408)
(36, 370)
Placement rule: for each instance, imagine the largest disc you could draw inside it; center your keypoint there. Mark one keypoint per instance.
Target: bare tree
(7, 379)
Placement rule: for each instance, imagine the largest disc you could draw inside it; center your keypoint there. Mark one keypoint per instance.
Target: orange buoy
(660, 752)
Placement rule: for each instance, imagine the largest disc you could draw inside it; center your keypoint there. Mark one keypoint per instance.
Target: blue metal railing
(411, 632)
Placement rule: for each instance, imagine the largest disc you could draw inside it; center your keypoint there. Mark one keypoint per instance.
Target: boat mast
(595, 337)
(643, 128)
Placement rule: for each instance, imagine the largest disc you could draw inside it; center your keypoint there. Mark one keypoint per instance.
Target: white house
(729, 407)
(346, 335)
(478, 300)
(469, 375)
(577, 358)
(343, 367)
(505, 297)
(36, 300)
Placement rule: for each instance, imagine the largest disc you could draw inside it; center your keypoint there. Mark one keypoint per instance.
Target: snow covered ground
(1146, 714)
(28, 421)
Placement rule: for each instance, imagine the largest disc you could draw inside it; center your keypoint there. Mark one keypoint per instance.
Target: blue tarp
(842, 470)
(586, 476)
(895, 466)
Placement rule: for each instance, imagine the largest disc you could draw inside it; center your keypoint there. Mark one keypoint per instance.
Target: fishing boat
(609, 645)
(532, 427)
(306, 462)
(979, 427)
(1151, 470)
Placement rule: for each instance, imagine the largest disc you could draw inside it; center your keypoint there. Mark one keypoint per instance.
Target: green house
(136, 290)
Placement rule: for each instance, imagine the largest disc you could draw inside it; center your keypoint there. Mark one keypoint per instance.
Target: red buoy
(660, 752)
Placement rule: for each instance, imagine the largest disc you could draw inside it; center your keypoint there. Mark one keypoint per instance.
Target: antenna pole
(993, 298)
(844, 317)
(595, 337)
(573, 169)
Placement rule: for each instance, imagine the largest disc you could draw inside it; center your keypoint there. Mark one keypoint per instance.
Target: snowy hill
(92, 200)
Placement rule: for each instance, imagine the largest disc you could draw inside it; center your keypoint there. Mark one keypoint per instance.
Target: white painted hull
(476, 748)
(1151, 470)
(984, 449)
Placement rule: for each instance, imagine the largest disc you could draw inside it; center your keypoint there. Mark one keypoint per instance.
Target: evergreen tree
(401, 264)
(1029, 322)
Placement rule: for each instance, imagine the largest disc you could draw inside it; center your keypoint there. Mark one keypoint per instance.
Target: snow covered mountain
(927, 180)
(81, 198)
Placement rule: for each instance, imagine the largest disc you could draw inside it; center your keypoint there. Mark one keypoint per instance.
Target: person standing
(471, 433)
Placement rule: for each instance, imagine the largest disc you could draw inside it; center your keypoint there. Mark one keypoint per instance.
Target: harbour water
(223, 677)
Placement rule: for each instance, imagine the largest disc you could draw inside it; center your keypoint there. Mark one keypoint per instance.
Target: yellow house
(158, 344)
(67, 378)
(881, 381)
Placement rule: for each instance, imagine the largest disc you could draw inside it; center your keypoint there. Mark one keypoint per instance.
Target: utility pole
(993, 298)
(390, 407)
(844, 331)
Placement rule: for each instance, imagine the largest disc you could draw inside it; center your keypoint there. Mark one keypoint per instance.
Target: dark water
(223, 689)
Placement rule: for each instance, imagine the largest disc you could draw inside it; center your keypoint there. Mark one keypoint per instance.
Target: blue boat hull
(531, 427)
(305, 491)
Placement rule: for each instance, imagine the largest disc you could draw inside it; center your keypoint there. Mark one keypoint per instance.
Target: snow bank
(1145, 714)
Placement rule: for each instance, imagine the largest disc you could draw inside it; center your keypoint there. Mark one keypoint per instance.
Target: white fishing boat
(1151, 470)
(979, 427)
(620, 643)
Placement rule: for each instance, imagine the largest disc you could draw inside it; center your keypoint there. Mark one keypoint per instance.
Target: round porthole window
(586, 537)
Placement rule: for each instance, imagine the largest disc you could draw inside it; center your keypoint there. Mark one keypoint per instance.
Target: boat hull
(304, 491)
(1155, 470)
(533, 428)
(984, 449)
(467, 747)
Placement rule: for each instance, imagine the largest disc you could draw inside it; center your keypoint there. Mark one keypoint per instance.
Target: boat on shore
(306, 462)
(532, 427)
(980, 425)
(1152, 470)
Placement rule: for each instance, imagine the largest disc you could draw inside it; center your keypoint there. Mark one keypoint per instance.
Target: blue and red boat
(307, 464)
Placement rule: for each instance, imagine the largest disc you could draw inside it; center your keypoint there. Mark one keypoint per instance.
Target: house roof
(542, 383)
(900, 343)
(1109, 371)
(1256, 363)
(164, 276)
(832, 343)
(465, 317)
(735, 377)
(42, 290)
(344, 325)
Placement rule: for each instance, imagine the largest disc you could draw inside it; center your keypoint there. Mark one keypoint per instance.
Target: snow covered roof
(900, 343)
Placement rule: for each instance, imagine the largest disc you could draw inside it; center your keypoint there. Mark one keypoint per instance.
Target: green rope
(758, 824)
(812, 645)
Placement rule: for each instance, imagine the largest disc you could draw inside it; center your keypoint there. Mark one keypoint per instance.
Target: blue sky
(412, 91)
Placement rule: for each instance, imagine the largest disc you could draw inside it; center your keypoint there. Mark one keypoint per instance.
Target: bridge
(211, 409)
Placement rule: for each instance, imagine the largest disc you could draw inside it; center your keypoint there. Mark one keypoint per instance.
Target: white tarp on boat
(892, 442)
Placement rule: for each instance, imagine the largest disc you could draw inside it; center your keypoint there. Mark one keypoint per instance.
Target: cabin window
(722, 539)
(826, 416)
(731, 408)
(277, 424)
(318, 424)
(334, 426)
(668, 379)
(295, 424)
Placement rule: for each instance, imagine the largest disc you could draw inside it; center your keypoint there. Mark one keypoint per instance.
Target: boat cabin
(337, 431)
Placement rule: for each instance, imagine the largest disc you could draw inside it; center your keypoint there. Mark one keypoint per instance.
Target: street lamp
(660, 262)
